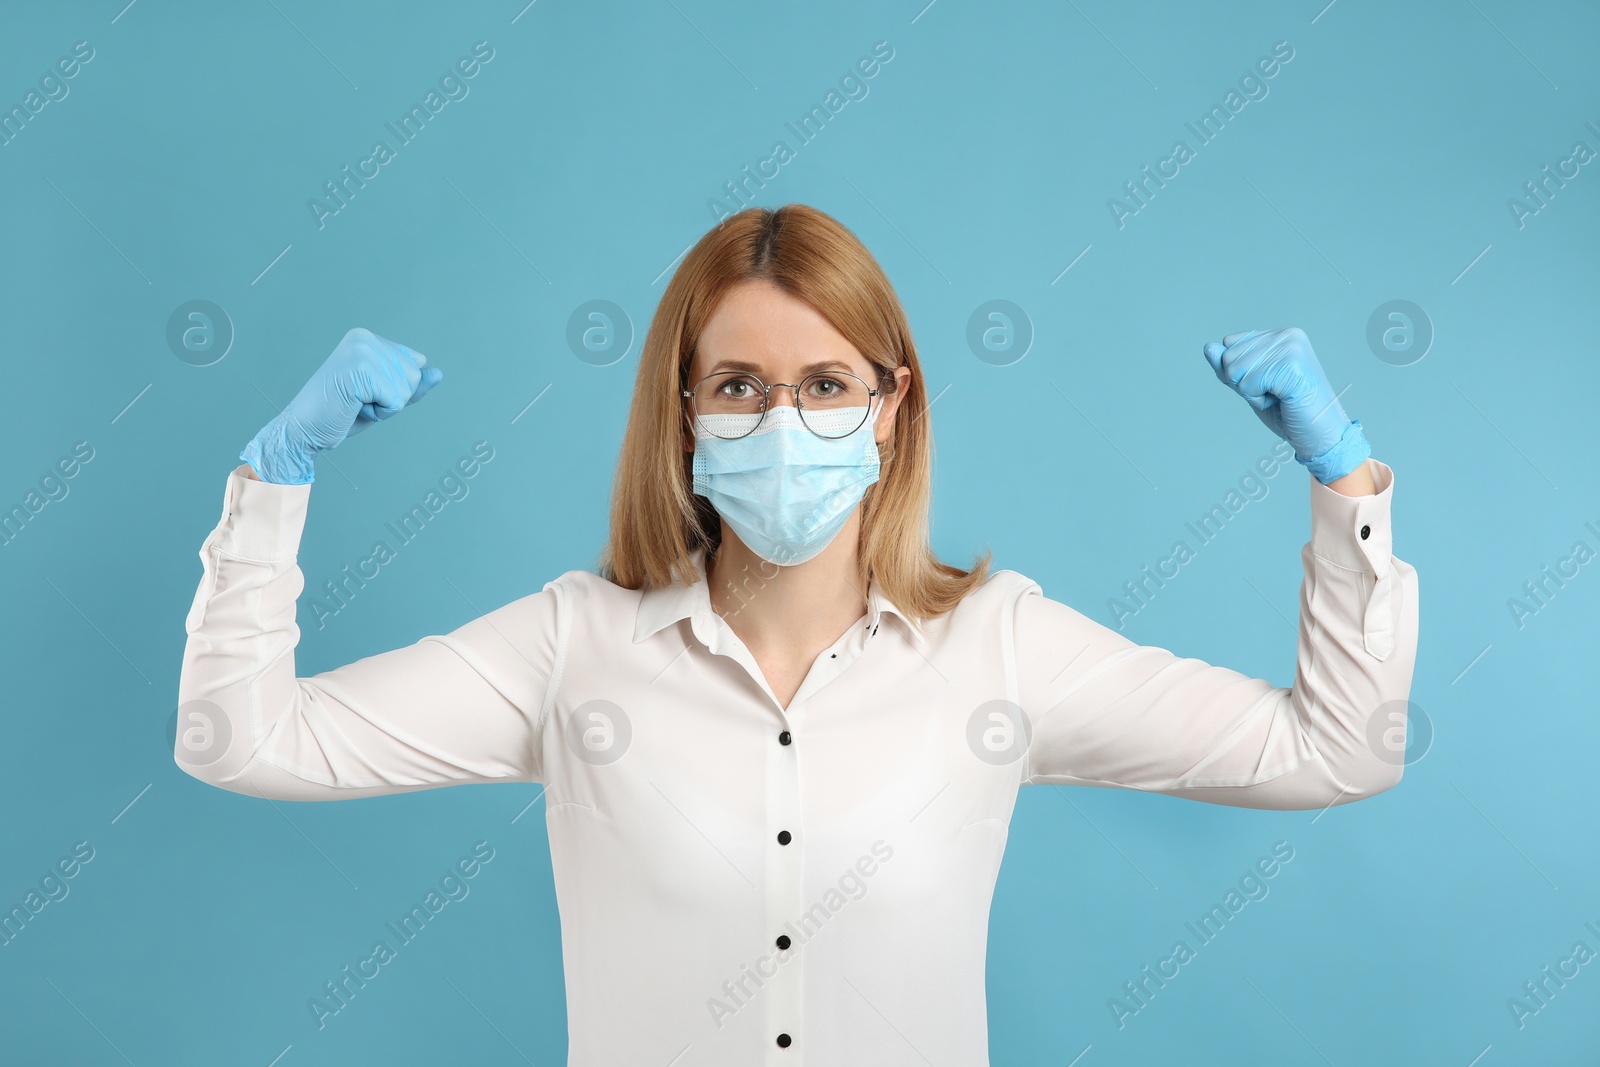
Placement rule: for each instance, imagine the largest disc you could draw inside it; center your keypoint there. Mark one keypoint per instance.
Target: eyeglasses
(732, 404)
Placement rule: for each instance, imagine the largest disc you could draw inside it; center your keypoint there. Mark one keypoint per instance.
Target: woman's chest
(888, 748)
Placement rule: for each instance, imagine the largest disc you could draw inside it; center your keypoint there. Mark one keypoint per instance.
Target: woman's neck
(802, 607)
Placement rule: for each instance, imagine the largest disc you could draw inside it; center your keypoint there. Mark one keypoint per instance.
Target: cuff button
(1366, 531)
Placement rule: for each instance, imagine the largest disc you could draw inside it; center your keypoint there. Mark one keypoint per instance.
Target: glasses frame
(766, 399)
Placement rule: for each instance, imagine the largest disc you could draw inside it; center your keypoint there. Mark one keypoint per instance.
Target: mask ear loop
(873, 420)
(883, 398)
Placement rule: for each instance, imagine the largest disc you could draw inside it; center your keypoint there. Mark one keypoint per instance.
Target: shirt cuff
(1353, 532)
(261, 521)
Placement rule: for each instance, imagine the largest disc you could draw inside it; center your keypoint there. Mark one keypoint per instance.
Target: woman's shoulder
(1004, 584)
(586, 585)
(589, 595)
(996, 594)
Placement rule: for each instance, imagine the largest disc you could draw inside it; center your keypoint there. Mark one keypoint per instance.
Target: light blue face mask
(785, 491)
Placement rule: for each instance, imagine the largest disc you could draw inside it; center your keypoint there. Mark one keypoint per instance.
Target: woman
(775, 837)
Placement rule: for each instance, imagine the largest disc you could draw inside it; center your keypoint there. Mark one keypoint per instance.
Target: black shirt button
(783, 941)
(784, 837)
(1365, 532)
(784, 1040)
(784, 738)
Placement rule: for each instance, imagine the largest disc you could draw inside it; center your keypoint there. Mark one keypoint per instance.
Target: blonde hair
(657, 522)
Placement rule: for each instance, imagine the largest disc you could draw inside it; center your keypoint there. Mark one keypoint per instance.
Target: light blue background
(977, 168)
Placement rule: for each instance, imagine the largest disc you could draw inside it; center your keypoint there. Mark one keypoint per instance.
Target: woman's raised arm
(454, 708)
(466, 706)
(1106, 711)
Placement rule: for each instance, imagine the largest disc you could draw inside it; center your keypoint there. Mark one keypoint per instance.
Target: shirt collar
(664, 605)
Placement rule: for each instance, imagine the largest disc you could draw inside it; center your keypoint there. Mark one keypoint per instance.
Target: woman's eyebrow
(745, 365)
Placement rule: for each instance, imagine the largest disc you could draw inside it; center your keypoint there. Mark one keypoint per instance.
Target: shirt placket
(778, 969)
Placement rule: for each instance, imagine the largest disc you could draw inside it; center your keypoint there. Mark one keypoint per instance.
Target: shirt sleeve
(452, 708)
(1105, 711)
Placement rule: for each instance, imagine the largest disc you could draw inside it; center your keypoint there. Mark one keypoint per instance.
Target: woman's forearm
(1357, 483)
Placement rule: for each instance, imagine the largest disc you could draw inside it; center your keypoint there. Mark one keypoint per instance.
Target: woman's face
(760, 329)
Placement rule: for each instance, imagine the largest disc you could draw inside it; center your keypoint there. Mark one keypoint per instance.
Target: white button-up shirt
(742, 882)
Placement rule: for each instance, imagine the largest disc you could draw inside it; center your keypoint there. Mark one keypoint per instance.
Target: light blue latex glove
(1279, 376)
(366, 380)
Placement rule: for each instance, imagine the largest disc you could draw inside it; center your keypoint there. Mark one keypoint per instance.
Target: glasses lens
(833, 403)
(729, 404)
